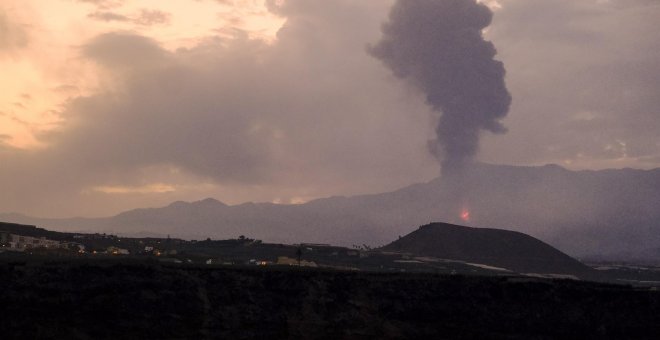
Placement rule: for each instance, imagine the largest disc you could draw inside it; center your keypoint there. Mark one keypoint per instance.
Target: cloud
(152, 17)
(4, 139)
(13, 35)
(145, 17)
(143, 189)
(107, 16)
(312, 114)
(104, 4)
(575, 59)
(125, 50)
(307, 116)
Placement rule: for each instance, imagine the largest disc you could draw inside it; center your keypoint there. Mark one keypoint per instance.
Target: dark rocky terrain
(129, 299)
(395, 292)
(495, 247)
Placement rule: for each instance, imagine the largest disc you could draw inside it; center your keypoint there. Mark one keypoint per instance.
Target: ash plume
(438, 46)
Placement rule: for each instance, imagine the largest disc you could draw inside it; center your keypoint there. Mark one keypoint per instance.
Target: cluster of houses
(281, 260)
(284, 260)
(15, 242)
(103, 244)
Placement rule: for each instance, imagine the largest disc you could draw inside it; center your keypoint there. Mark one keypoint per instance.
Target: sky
(109, 105)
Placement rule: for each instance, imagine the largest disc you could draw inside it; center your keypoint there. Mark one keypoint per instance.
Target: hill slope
(494, 247)
(33, 231)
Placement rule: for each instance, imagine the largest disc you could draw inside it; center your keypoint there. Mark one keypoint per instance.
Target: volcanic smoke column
(437, 45)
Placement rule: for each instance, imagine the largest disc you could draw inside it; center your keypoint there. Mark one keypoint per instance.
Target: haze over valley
(610, 214)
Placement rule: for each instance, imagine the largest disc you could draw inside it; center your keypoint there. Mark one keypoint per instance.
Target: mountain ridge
(586, 212)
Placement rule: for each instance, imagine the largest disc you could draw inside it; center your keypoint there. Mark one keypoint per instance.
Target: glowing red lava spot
(465, 215)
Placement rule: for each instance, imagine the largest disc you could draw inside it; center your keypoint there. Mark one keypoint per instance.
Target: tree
(299, 253)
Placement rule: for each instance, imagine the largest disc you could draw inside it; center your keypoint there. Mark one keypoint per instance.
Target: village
(29, 240)
(21, 243)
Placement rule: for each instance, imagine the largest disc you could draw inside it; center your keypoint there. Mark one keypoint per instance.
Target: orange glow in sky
(42, 69)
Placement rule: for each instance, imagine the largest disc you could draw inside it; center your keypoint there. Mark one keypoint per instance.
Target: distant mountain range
(608, 213)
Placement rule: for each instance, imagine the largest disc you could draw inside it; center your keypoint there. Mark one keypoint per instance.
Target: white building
(117, 251)
(15, 242)
(21, 243)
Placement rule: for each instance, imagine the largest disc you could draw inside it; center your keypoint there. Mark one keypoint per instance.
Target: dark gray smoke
(437, 45)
